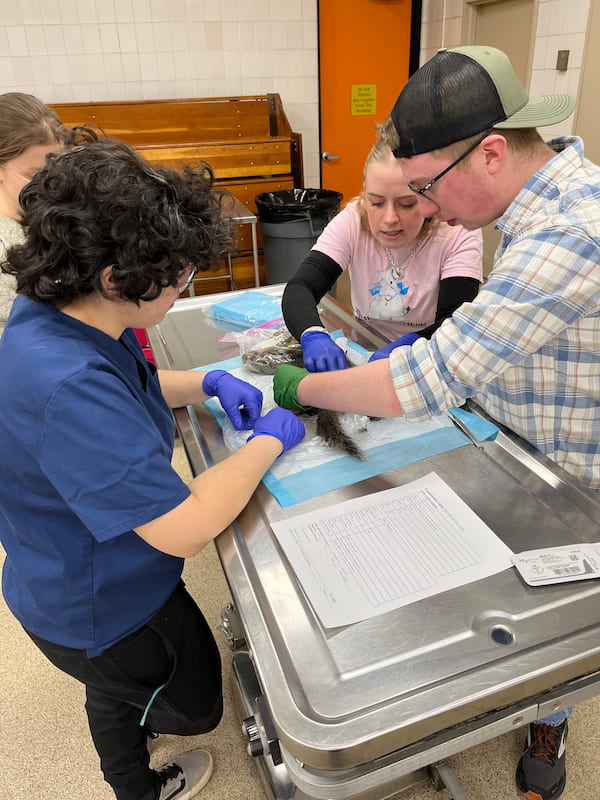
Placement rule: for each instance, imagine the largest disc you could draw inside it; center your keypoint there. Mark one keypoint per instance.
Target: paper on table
(372, 554)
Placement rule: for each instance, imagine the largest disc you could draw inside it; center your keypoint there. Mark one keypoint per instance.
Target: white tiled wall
(85, 50)
(441, 22)
(561, 25)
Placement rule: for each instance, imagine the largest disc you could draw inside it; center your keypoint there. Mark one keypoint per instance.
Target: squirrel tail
(329, 428)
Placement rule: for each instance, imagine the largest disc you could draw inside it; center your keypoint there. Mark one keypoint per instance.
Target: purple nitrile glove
(283, 425)
(321, 353)
(241, 401)
(384, 352)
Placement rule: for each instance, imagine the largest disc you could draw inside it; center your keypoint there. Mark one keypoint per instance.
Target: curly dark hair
(101, 204)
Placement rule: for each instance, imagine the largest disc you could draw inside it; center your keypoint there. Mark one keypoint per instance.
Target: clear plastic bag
(256, 332)
(265, 347)
(312, 451)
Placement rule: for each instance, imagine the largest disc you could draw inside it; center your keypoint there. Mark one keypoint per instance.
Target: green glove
(285, 386)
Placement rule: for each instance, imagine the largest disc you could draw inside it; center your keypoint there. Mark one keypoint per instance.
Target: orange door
(364, 52)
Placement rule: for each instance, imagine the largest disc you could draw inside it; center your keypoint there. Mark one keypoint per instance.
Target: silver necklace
(400, 270)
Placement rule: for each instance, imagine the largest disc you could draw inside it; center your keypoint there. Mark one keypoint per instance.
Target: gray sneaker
(184, 777)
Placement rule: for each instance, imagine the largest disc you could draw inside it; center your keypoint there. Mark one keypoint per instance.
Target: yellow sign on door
(364, 99)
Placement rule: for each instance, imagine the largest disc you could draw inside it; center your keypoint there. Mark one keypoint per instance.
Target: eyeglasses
(428, 186)
(181, 288)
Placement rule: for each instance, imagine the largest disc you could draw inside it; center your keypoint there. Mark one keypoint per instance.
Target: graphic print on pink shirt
(388, 291)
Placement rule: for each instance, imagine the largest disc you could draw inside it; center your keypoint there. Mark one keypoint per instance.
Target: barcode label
(566, 570)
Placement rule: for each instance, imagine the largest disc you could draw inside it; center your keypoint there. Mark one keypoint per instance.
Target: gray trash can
(291, 220)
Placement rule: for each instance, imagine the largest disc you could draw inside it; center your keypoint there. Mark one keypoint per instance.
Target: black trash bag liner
(290, 205)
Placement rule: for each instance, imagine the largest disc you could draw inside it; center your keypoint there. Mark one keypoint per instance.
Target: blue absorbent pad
(312, 468)
(481, 429)
(247, 309)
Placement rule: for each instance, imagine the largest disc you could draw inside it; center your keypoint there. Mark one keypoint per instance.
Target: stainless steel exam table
(366, 710)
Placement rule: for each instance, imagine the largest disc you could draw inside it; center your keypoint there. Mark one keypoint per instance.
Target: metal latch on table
(231, 626)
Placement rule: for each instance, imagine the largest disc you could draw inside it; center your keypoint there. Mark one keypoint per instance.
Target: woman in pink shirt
(407, 273)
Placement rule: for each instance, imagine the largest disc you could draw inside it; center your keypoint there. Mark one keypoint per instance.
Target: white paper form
(372, 554)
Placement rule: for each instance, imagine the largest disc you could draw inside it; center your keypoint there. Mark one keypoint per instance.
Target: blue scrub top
(86, 440)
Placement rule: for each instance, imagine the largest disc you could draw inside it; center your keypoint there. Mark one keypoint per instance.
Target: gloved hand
(321, 353)
(241, 401)
(384, 352)
(285, 385)
(281, 424)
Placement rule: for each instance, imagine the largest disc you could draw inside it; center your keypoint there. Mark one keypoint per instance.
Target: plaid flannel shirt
(527, 349)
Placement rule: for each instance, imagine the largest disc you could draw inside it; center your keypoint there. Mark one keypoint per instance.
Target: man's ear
(494, 149)
(107, 280)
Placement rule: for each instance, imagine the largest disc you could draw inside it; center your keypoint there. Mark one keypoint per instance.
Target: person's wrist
(202, 388)
(300, 405)
(315, 329)
(285, 384)
(210, 380)
(276, 440)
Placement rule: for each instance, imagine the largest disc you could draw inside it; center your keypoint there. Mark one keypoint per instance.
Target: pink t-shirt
(391, 302)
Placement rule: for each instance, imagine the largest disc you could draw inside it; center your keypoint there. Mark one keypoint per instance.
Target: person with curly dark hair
(93, 517)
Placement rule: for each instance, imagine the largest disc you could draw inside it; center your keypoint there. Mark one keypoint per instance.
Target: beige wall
(586, 114)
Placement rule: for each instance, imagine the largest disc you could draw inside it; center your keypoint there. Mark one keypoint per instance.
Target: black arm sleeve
(453, 293)
(314, 277)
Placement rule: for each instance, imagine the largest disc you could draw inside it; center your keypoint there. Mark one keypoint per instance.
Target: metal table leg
(443, 777)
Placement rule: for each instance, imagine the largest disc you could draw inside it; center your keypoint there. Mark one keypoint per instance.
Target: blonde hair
(388, 135)
(380, 153)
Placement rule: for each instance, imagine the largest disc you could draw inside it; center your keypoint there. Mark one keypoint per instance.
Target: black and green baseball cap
(464, 91)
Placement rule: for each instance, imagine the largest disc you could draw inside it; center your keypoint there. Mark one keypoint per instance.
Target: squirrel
(284, 349)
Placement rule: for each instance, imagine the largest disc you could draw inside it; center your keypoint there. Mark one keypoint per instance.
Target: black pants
(166, 677)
